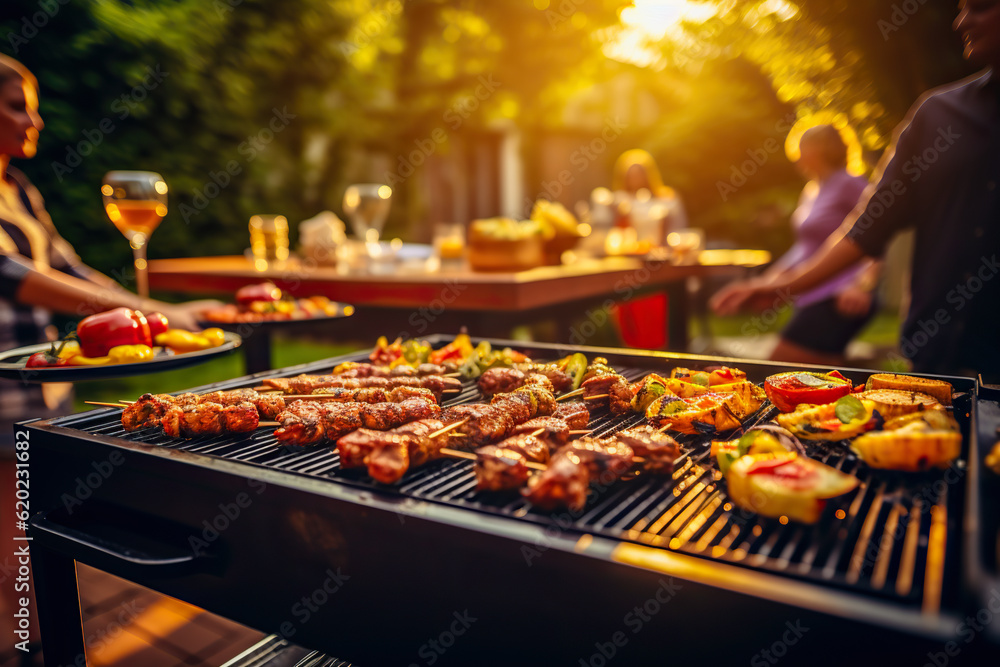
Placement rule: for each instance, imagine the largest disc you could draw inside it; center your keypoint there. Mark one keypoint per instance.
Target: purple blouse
(819, 214)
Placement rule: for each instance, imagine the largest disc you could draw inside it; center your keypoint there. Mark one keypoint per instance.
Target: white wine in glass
(367, 207)
(136, 202)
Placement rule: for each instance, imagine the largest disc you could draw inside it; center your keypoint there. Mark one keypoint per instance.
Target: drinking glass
(268, 239)
(367, 207)
(136, 202)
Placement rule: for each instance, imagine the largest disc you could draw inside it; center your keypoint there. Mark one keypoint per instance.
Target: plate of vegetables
(115, 343)
(267, 304)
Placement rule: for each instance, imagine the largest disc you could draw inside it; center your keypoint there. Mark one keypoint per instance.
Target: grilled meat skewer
(308, 384)
(504, 380)
(374, 394)
(310, 422)
(567, 479)
(151, 409)
(364, 370)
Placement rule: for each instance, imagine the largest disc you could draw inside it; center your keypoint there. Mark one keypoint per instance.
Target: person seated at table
(827, 317)
(653, 209)
(39, 270)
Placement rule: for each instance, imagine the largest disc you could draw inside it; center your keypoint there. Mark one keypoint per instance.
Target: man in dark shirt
(940, 178)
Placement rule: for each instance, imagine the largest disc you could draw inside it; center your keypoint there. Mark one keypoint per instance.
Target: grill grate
(890, 538)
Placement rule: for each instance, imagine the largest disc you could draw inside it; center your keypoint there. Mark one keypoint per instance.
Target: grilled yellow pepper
(121, 354)
(181, 340)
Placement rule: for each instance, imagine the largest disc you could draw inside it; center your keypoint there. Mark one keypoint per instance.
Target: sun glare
(650, 21)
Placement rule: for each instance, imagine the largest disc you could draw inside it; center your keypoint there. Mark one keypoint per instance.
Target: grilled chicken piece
(620, 396)
(147, 411)
(500, 381)
(563, 484)
(658, 449)
(560, 381)
(533, 448)
(208, 419)
(606, 459)
(611, 385)
(554, 431)
(500, 469)
(301, 424)
(398, 450)
(575, 414)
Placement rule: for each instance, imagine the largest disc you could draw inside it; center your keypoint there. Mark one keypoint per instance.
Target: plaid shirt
(28, 240)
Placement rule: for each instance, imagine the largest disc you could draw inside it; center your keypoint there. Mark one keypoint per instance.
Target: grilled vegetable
(702, 414)
(788, 390)
(653, 387)
(103, 331)
(892, 403)
(120, 354)
(785, 484)
(846, 418)
(181, 340)
(576, 367)
(712, 378)
(912, 443)
(763, 439)
(937, 388)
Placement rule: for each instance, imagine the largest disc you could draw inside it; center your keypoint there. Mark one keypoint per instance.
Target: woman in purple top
(827, 317)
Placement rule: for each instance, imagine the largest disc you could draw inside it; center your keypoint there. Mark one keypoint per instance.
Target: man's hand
(854, 302)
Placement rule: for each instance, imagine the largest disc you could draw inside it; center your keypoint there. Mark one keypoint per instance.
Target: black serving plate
(12, 364)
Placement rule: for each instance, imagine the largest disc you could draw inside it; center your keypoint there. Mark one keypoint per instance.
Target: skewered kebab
(310, 422)
(374, 394)
(389, 454)
(504, 380)
(308, 384)
(351, 369)
(505, 466)
(152, 409)
(483, 424)
(567, 479)
(575, 414)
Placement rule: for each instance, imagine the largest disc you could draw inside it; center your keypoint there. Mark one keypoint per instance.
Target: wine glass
(367, 206)
(136, 202)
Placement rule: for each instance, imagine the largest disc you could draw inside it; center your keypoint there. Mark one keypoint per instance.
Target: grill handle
(111, 554)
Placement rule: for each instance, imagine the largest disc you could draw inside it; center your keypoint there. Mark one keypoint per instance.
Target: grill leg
(58, 601)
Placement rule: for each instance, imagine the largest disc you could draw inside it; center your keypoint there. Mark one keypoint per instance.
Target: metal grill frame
(569, 548)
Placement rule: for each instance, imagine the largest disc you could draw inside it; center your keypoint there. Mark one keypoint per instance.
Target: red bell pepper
(786, 390)
(157, 324)
(103, 331)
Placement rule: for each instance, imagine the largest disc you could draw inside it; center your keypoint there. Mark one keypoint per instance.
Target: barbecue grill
(432, 572)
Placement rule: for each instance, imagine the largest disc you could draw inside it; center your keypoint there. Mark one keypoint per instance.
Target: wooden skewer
(458, 454)
(472, 457)
(449, 427)
(260, 424)
(581, 432)
(595, 398)
(572, 394)
(108, 405)
(451, 375)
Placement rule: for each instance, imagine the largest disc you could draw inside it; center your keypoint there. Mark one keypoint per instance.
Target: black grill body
(284, 541)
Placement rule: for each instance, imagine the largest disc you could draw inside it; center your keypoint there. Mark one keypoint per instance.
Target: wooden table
(415, 302)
